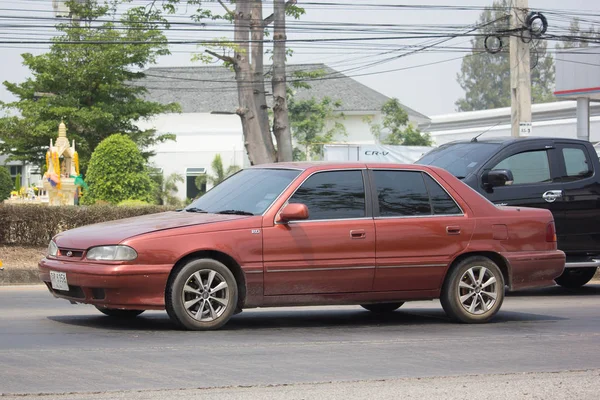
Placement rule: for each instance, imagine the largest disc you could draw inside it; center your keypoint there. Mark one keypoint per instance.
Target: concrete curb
(19, 276)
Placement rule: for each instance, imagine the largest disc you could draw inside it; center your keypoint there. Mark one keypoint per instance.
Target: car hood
(114, 232)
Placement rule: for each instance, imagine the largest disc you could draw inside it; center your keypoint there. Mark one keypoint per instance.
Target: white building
(558, 119)
(208, 126)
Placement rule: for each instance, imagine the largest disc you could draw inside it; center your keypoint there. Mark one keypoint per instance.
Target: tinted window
(333, 195)
(576, 162)
(401, 193)
(460, 159)
(440, 200)
(527, 167)
(251, 190)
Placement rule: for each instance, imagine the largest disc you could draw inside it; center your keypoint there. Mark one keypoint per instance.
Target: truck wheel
(574, 278)
(473, 290)
(201, 295)
(382, 308)
(115, 312)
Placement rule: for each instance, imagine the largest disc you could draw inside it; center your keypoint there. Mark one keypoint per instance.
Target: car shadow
(591, 289)
(275, 319)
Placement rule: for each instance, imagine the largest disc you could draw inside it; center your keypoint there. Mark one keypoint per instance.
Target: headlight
(111, 253)
(52, 249)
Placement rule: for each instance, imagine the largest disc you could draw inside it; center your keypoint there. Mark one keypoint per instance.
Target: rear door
(420, 229)
(581, 199)
(535, 167)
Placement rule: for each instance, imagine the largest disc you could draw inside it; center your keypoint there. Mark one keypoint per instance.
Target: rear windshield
(460, 159)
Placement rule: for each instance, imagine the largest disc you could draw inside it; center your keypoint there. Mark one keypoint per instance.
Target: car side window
(333, 195)
(527, 167)
(576, 163)
(401, 193)
(441, 201)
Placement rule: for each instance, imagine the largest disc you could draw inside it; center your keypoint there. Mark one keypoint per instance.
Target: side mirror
(498, 177)
(292, 212)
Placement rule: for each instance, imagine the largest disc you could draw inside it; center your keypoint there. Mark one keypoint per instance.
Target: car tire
(473, 290)
(382, 308)
(573, 278)
(201, 295)
(117, 313)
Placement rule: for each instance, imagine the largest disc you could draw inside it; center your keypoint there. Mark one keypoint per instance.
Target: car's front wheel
(201, 295)
(573, 278)
(115, 312)
(382, 308)
(473, 291)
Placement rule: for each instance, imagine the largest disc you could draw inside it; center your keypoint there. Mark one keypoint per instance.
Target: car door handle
(453, 230)
(358, 234)
(551, 195)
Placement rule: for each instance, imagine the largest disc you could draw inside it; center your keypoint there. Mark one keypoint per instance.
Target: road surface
(48, 346)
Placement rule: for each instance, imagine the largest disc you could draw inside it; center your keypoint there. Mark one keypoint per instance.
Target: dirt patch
(20, 257)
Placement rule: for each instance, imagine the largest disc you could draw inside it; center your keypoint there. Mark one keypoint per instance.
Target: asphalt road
(50, 346)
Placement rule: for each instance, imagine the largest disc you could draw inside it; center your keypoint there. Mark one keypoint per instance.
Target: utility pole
(520, 71)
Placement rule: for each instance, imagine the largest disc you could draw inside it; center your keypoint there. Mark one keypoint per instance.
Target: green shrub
(117, 172)
(29, 224)
(18, 182)
(5, 183)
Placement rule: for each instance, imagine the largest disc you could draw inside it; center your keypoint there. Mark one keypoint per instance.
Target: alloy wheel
(205, 295)
(478, 290)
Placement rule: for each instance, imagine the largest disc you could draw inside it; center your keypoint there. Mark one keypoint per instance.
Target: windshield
(460, 159)
(250, 191)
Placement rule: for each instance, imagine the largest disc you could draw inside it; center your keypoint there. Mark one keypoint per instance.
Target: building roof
(497, 116)
(205, 89)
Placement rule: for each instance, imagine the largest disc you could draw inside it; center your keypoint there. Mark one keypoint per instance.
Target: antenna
(488, 129)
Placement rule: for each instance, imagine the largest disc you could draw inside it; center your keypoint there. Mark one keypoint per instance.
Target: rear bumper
(113, 286)
(534, 269)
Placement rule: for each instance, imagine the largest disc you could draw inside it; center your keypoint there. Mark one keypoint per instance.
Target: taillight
(550, 232)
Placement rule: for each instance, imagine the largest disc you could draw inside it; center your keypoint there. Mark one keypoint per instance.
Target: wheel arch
(221, 257)
(502, 263)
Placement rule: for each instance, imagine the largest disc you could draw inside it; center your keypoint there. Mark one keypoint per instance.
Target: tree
(579, 38)
(220, 173)
(485, 77)
(309, 121)
(91, 85)
(18, 182)
(245, 56)
(117, 172)
(397, 130)
(5, 183)
(166, 189)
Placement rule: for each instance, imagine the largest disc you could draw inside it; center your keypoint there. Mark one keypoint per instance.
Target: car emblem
(69, 253)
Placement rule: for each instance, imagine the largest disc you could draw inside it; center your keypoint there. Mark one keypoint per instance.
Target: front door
(331, 252)
(581, 198)
(420, 229)
(535, 172)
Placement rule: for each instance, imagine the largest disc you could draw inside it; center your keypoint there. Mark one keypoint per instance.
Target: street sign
(525, 129)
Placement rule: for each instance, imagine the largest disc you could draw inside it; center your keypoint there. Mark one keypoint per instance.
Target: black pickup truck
(561, 175)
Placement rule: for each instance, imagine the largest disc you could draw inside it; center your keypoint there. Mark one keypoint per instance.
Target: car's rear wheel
(473, 291)
(201, 295)
(573, 278)
(382, 308)
(115, 312)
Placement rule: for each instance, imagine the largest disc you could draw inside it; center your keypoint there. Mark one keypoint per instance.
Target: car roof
(305, 165)
(506, 140)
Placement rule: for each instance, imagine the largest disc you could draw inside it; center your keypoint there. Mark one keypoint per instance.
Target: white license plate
(59, 280)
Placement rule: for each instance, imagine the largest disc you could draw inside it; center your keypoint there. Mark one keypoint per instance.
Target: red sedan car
(310, 234)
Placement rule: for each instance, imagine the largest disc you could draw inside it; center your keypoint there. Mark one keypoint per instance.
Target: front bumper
(531, 269)
(139, 287)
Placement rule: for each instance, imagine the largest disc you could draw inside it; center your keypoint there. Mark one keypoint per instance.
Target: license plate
(59, 280)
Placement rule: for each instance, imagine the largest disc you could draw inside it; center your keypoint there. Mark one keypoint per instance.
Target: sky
(424, 80)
